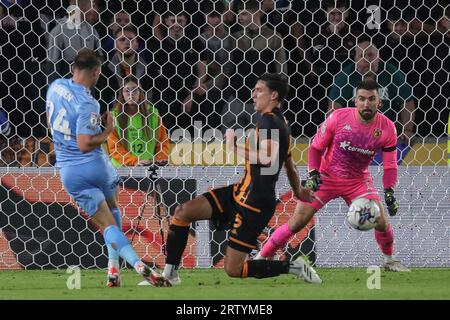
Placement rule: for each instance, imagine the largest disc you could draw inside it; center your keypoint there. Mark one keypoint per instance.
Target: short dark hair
(128, 27)
(212, 8)
(368, 84)
(276, 82)
(87, 59)
(175, 13)
(250, 5)
(365, 38)
(331, 4)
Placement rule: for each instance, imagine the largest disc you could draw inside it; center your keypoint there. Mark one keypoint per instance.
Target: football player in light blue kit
(86, 172)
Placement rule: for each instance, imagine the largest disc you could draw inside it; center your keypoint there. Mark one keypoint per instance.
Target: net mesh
(197, 62)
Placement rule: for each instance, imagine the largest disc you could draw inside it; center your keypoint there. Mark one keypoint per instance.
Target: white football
(363, 214)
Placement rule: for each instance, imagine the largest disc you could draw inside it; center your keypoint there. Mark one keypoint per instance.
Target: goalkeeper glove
(313, 182)
(391, 202)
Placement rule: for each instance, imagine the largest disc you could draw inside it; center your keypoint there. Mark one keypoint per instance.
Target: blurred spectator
(332, 47)
(140, 137)
(207, 96)
(232, 12)
(284, 17)
(20, 72)
(401, 47)
(395, 93)
(20, 16)
(5, 127)
(51, 14)
(92, 15)
(254, 51)
(287, 18)
(434, 84)
(281, 15)
(10, 145)
(330, 50)
(126, 59)
(117, 21)
(443, 24)
(191, 8)
(421, 54)
(421, 18)
(68, 38)
(177, 62)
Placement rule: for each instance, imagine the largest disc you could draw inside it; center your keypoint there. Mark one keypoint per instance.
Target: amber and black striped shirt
(257, 187)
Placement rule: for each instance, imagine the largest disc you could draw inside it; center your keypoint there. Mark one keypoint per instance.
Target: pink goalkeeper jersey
(349, 146)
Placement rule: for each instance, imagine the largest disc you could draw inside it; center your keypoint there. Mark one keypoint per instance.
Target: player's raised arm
(301, 193)
(320, 143)
(90, 121)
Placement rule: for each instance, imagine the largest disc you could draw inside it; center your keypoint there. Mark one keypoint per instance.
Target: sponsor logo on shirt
(345, 145)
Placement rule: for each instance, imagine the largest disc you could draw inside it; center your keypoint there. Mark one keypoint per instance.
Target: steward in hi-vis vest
(130, 146)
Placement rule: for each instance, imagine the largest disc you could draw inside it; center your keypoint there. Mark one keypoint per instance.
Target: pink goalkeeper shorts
(349, 190)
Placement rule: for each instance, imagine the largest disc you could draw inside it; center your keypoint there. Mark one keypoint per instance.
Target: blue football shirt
(72, 110)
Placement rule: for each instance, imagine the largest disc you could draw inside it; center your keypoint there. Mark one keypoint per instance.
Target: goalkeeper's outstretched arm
(292, 174)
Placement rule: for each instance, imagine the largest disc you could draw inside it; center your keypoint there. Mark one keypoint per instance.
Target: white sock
(388, 258)
(138, 266)
(113, 263)
(259, 257)
(170, 271)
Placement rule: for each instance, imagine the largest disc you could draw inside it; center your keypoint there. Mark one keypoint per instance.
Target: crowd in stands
(198, 61)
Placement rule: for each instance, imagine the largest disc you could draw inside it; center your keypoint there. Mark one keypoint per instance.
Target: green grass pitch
(204, 284)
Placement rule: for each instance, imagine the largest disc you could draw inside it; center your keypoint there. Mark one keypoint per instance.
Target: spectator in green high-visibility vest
(140, 137)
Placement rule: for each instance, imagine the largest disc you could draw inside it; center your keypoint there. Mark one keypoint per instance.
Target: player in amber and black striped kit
(249, 204)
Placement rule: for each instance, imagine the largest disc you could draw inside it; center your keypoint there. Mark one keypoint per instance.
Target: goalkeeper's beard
(367, 115)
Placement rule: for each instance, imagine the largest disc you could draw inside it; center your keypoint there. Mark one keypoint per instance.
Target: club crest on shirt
(376, 133)
(95, 120)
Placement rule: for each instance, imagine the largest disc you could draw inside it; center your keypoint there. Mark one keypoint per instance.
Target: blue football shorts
(90, 183)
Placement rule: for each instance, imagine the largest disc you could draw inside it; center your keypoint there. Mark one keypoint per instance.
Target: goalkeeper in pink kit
(339, 157)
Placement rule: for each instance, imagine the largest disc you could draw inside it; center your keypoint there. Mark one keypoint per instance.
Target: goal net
(197, 62)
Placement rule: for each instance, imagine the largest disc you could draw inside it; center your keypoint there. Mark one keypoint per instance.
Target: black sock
(176, 243)
(265, 268)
